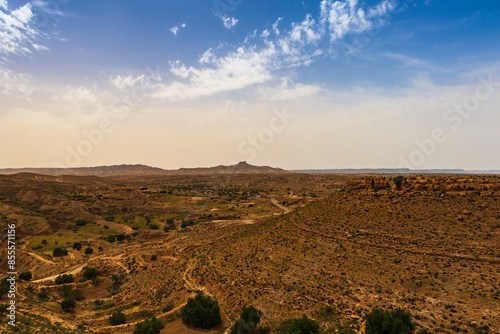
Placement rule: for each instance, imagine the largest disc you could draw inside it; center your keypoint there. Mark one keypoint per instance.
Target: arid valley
(330, 246)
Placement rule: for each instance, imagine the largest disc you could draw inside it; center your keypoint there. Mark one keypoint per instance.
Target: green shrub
(60, 251)
(187, 223)
(248, 321)
(64, 279)
(201, 312)
(154, 227)
(153, 257)
(153, 326)
(117, 318)
(90, 273)
(77, 245)
(81, 222)
(89, 250)
(76, 294)
(68, 304)
(389, 322)
(299, 326)
(26, 276)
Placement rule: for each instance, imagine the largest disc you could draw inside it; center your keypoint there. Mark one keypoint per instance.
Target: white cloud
(346, 17)
(175, 30)
(207, 57)
(124, 83)
(275, 26)
(18, 33)
(14, 84)
(285, 91)
(229, 22)
(260, 57)
(240, 69)
(77, 97)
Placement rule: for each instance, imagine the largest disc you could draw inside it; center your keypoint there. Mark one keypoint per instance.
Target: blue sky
(200, 83)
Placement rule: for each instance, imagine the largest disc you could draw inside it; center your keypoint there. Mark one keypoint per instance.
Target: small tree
(149, 326)
(153, 257)
(90, 273)
(76, 294)
(390, 322)
(117, 318)
(89, 250)
(201, 312)
(64, 279)
(44, 242)
(398, 180)
(77, 245)
(301, 326)
(248, 321)
(60, 252)
(68, 304)
(26, 276)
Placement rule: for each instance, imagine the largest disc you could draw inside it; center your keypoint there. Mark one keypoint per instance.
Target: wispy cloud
(347, 17)
(19, 35)
(261, 56)
(14, 84)
(228, 21)
(175, 30)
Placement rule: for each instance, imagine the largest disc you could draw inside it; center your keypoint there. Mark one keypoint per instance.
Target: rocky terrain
(428, 244)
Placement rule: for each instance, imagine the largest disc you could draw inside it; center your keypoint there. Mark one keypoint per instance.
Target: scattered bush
(153, 257)
(117, 318)
(81, 222)
(299, 326)
(64, 279)
(43, 295)
(120, 237)
(60, 251)
(248, 321)
(149, 326)
(111, 238)
(89, 250)
(44, 242)
(187, 223)
(68, 304)
(90, 273)
(77, 245)
(154, 227)
(201, 312)
(26, 276)
(390, 322)
(76, 294)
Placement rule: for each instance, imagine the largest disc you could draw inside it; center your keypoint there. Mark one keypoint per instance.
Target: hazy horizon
(289, 84)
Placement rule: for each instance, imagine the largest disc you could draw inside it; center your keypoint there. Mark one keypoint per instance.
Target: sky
(291, 84)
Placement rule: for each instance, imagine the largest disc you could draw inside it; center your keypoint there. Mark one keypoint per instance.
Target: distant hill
(140, 170)
(90, 171)
(240, 168)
